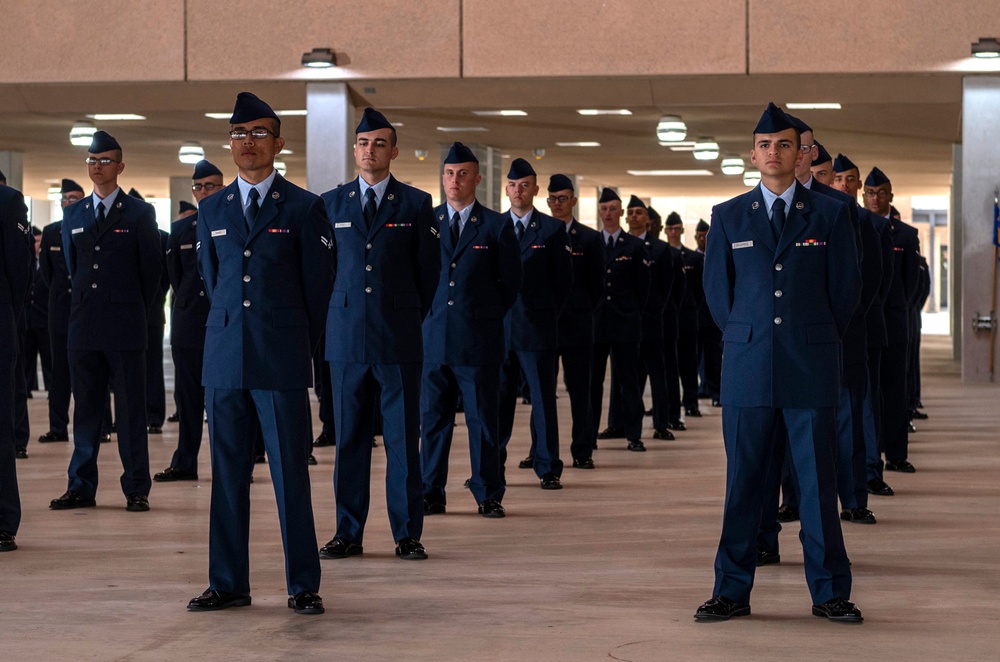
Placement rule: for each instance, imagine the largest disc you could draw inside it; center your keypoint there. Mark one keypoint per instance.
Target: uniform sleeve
(843, 279)
(17, 250)
(593, 259)
(641, 276)
(150, 256)
(45, 256)
(428, 260)
(317, 268)
(911, 270)
(208, 261)
(679, 284)
(174, 268)
(561, 264)
(508, 265)
(885, 249)
(69, 250)
(720, 272)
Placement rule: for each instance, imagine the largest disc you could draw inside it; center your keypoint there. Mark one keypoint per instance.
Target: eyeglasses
(256, 134)
(208, 187)
(806, 148)
(558, 198)
(70, 198)
(880, 193)
(105, 161)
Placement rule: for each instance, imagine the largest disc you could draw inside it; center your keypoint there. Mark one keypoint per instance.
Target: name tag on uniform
(342, 225)
(186, 246)
(742, 244)
(76, 231)
(55, 248)
(219, 233)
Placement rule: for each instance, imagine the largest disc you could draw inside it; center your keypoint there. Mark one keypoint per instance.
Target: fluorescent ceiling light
(302, 112)
(706, 149)
(458, 129)
(82, 133)
(732, 165)
(751, 178)
(116, 117)
(280, 166)
(396, 123)
(671, 129)
(500, 113)
(55, 193)
(669, 173)
(609, 111)
(986, 47)
(812, 106)
(218, 116)
(584, 143)
(190, 153)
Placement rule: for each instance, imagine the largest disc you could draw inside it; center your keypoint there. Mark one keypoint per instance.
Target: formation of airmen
(798, 314)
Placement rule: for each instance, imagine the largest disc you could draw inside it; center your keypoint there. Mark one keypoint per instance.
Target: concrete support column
(955, 254)
(491, 189)
(329, 136)
(180, 189)
(11, 165)
(980, 178)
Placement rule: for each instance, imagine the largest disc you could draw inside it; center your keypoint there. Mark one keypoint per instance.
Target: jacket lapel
(470, 231)
(269, 207)
(233, 215)
(530, 232)
(386, 208)
(757, 218)
(796, 221)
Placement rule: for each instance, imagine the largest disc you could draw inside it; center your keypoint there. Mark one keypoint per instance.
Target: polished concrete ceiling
(905, 124)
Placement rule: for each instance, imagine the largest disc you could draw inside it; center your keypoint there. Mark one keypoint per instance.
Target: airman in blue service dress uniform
(618, 320)
(709, 335)
(16, 248)
(387, 259)
(112, 248)
(781, 364)
(532, 324)
(188, 315)
(264, 254)
(464, 341)
(53, 268)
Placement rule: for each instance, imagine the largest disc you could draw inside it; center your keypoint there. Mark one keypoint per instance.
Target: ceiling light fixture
(116, 117)
(583, 143)
(458, 129)
(732, 165)
(986, 47)
(670, 173)
(751, 178)
(299, 112)
(610, 111)
(706, 149)
(319, 58)
(190, 153)
(812, 106)
(671, 129)
(218, 116)
(82, 133)
(538, 153)
(55, 193)
(500, 113)
(421, 154)
(280, 166)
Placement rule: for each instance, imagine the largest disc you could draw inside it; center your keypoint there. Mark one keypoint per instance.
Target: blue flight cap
(203, 169)
(459, 153)
(560, 183)
(372, 120)
(519, 169)
(773, 120)
(653, 214)
(702, 226)
(103, 142)
(607, 195)
(843, 164)
(135, 194)
(823, 157)
(635, 202)
(674, 219)
(186, 206)
(248, 108)
(3, 177)
(68, 186)
(799, 125)
(876, 178)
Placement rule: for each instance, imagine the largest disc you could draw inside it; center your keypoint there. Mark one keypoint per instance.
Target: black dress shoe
(324, 439)
(611, 433)
(911, 427)
(583, 463)
(410, 549)
(170, 474)
(787, 513)
(716, 402)
(105, 438)
(71, 500)
(338, 548)
(114, 427)
(919, 405)
(636, 446)
(492, 508)
(136, 503)
(215, 600)
(306, 602)
(838, 609)
(154, 429)
(550, 481)
(663, 434)
(878, 487)
(721, 609)
(858, 515)
(466, 483)
(173, 418)
(312, 460)
(677, 425)
(432, 507)
(259, 459)
(919, 415)
(901, 466)
(51, 436)
(7, 543)
(767, 558)
(527, 462)
(20, 452)
(696, 413)
(648, 412)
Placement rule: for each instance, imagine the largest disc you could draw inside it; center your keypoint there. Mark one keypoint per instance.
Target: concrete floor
(611, 567)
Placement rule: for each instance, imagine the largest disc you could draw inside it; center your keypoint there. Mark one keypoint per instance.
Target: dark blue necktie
(455, 229)
(101, 218)
(519, 229)
(250, 213)
(370, 208)
(778, 217)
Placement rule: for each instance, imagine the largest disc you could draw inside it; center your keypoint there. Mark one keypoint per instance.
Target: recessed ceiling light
(500, 113)
(812, 106)
(116, 117)
(396, 123)
(686, 146)
(608, 111)
(302, 112)
(218, 116)
(456, 129)
(669, 173)
(583, 143)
